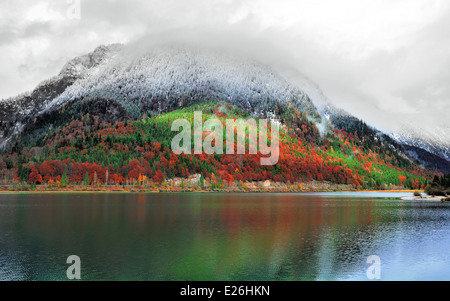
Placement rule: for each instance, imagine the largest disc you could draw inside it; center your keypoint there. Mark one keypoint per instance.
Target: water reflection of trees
(201, 236)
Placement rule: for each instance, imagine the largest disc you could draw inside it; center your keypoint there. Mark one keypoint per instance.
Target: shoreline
(423, 198)
(137, 190)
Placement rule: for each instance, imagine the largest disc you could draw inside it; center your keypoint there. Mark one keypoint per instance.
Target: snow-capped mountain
(436, 142)
(16, 112)
(160, 79)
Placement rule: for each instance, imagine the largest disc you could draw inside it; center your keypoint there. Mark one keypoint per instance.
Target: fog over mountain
(385, 62)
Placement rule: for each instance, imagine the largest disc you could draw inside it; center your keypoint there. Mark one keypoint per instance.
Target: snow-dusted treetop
(163, 77)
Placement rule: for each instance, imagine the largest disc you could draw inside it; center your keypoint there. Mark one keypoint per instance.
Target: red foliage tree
(35, 176)
(50, 170)
(402, 179)
(158, 177)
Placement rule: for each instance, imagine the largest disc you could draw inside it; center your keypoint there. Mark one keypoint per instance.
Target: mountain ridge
(16, 112)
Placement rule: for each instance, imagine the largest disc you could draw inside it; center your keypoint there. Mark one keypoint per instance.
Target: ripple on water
(222, 237)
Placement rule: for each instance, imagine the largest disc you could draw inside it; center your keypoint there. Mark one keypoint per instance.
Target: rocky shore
(428, 198)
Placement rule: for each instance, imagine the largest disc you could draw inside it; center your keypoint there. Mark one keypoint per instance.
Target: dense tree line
(439, 186)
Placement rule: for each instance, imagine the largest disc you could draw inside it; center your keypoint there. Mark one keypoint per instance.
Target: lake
(221, 236)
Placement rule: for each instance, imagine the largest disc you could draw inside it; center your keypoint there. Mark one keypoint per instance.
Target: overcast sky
(387, 61)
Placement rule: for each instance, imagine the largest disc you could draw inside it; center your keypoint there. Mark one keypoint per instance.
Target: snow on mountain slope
(17, 111)
(158, 79)
(162, 78)
(436, 142)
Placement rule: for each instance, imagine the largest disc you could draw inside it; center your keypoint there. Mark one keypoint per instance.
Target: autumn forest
(90, 152)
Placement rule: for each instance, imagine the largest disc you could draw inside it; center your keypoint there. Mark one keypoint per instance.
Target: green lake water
(314, 236)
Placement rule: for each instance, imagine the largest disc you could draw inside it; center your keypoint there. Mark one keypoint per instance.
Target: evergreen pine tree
(86, 180)
(64, 179)
(202, 181)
